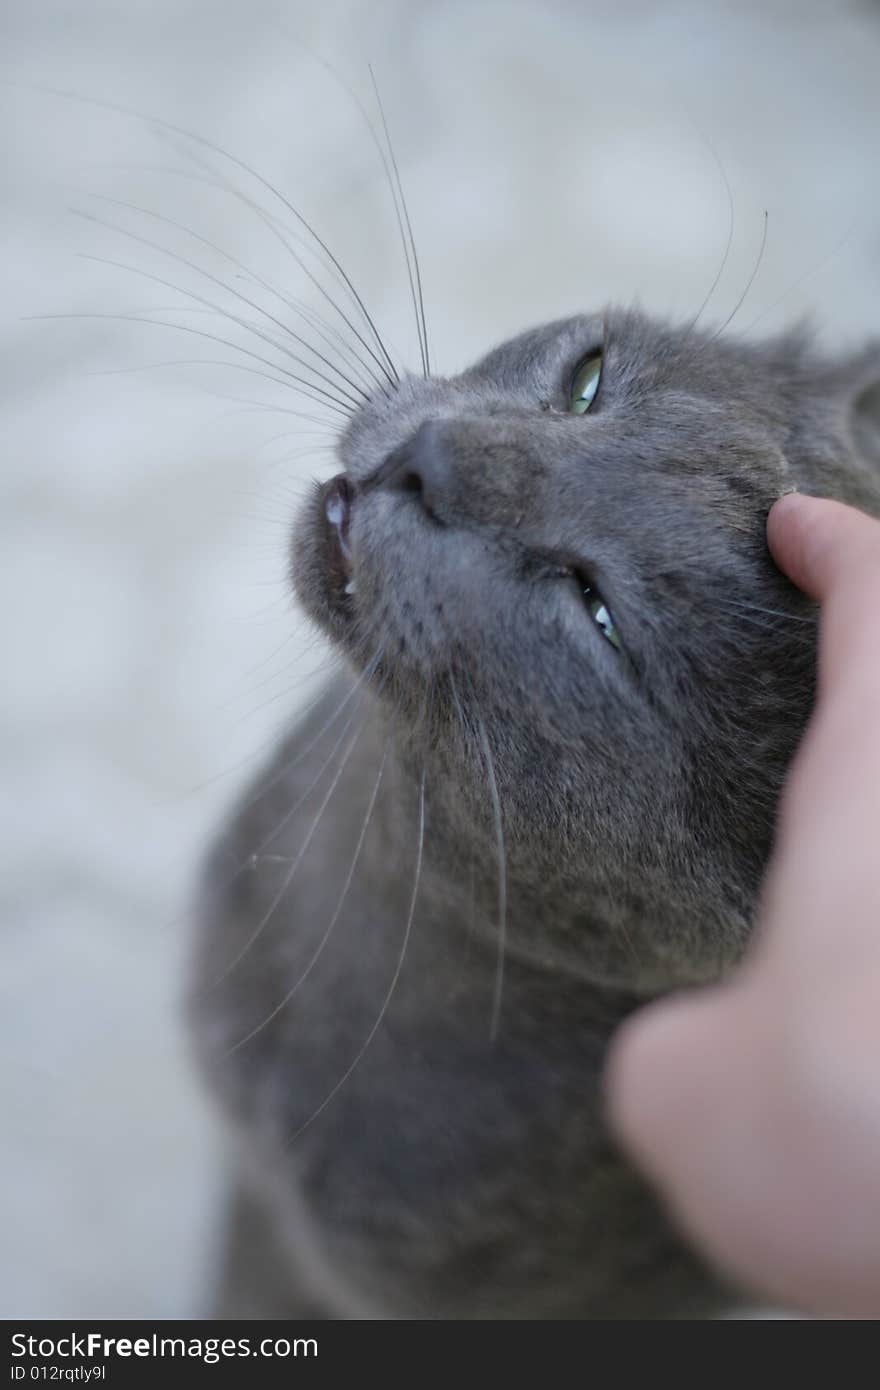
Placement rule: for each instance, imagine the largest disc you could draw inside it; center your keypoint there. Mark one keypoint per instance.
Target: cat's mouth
(336, 499)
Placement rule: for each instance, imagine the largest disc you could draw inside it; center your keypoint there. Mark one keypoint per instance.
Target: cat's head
(554, 568)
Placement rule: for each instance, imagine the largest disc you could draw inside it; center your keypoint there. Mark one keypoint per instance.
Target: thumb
(819, 543)
(833, 552)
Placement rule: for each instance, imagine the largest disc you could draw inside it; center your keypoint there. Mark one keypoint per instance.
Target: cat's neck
(434, 862)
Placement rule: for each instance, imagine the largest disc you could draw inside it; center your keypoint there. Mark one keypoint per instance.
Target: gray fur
(455, 1173)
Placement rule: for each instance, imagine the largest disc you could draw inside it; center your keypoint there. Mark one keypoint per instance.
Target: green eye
(585, 383)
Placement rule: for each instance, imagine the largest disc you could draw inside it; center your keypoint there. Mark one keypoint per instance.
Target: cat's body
(546, 795)
(448, 1176)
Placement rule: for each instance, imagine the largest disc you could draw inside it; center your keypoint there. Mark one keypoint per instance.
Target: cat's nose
(424, 467)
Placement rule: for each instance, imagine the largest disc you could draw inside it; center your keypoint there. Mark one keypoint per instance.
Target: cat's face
(554, 566)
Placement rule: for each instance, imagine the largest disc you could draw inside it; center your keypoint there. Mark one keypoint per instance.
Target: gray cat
(542, 792)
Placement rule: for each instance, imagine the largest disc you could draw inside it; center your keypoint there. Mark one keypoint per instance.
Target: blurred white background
(555, 155)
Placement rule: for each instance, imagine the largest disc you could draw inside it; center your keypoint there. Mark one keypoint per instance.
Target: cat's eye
(598, 611)
(585, 383)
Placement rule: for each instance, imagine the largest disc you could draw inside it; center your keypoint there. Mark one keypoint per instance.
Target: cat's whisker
(248, 406)
(287, 767)
(339, 394)
(317, 953)
(287, 491)
(253, 861)
(272, 700)
(770, 621)
(749, 607)
(295, 455)
(472, 915)
(751, 280)
(795, 639)
(198, 362)
(210, 337)
(412, 265)
(326, 431)
(158, 125)
(730, 230)
(328, 332)
(489, 764)
(322, 447)
(796, 284)
(275, 225)
(336, 341)
(226, 255)
(395, 186)
(393, 985)
(502, 879)
(310, 316)
(261, 749)
(256, 855)
(328, 664)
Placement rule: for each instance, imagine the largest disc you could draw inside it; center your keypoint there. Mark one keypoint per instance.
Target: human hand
(754, 1105)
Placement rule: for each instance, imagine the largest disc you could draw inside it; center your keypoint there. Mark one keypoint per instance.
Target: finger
(684, 1078)
(825, 858)
(761, 1137)
(820, 543)
(833, 552)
